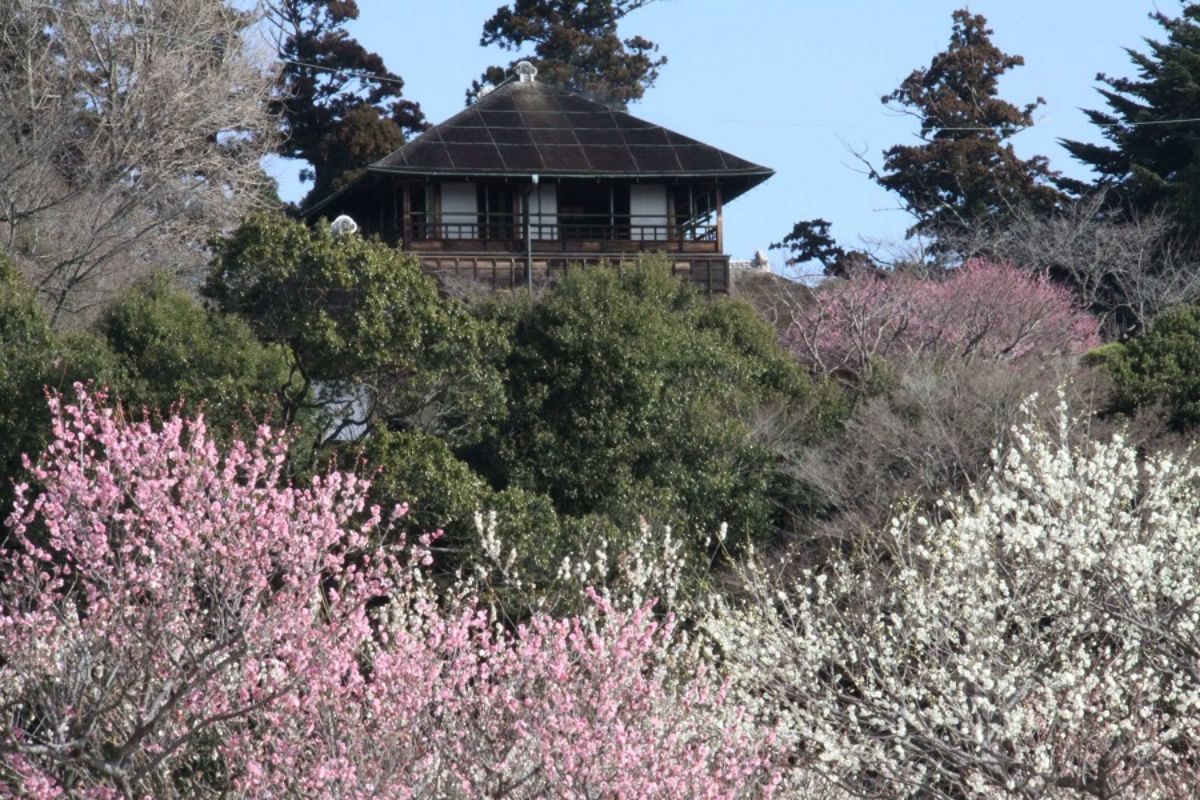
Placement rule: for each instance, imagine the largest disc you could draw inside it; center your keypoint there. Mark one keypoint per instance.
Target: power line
(979, 129)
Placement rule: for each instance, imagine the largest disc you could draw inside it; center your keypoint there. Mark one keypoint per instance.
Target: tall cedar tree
(575, 45)
(341, 107)
(1154, 160)
(965, 172)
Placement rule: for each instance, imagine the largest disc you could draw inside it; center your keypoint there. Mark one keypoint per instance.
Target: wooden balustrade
(553, 233)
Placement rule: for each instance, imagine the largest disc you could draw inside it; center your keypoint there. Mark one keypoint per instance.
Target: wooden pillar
(406, 225)
(720, 223)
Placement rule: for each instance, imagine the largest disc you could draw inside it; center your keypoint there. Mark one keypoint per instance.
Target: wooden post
(525, 217)
(406, 224)
(720, 223)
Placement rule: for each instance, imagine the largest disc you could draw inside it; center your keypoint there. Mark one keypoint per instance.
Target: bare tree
(1125, 271)
(935, 430)
(128, 130)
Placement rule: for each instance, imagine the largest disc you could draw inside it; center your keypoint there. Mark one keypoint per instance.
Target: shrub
(1161, 368)
(171, 347)
(360, 320)
(32, 359)
(441, 491)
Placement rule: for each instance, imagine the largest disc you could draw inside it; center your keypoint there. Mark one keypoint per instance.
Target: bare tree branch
(128, 131)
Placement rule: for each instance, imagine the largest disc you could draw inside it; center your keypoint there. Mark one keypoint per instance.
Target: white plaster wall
(543, 201)
(460, 209)
(647, 207)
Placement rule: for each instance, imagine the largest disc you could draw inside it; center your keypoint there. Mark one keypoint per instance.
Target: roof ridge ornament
(526, 72)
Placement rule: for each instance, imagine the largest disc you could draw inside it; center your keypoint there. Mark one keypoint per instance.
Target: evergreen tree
(629, 392)
(367, 337)
(810, 240)
(1154, 157)
(341, 107)
(575, 44)
(965, 171)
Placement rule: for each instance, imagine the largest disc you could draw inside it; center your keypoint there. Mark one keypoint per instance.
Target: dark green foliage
(444, 494)
(358, 318)
(1161, 368)
(575, 45)
(33, 359)
(154, 348)
(441, 491)
(629, 393)
(26, 350)
(172, 349)
(965, 173)
(334, 119)
(1154, 156)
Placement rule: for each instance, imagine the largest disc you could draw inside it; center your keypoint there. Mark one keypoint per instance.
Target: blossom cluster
(1040, 640)
(176, 620)
(981, 311)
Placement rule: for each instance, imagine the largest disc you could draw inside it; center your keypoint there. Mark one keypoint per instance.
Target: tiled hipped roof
(529, 128)
(524, 128)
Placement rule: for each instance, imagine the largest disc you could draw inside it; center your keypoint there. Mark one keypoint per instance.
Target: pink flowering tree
(981, 311)
(178, 621)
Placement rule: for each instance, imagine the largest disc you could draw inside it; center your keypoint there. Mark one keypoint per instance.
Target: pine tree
(575, 45)
(965, 172)
(1153, 161)
(334, 116)
(810, 240)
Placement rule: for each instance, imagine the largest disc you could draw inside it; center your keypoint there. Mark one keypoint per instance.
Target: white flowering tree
(1039, 641)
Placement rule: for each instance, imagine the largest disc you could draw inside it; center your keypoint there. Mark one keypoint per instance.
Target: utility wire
(980, 129)
(372, 76)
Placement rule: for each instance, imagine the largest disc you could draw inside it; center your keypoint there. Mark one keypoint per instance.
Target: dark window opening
(593, 211)
(495, 203)
(421, 207)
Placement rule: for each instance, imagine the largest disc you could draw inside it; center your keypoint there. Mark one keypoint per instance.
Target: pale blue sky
(791, 83)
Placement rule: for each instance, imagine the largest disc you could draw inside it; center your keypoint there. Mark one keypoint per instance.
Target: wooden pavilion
(533, 178)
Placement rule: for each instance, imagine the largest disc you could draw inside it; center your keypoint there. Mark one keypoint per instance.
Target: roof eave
(762, 172)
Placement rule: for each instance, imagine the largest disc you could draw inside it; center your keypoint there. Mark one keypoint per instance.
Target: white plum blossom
(1038, 640)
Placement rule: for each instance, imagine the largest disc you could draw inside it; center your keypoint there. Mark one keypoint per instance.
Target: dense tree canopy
(576, 45)
(34, 358)
(630, 390)
(334, 116)
(174, 350)
(364, 329)
(155, 347)
(965, 172)
(1153, 155)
